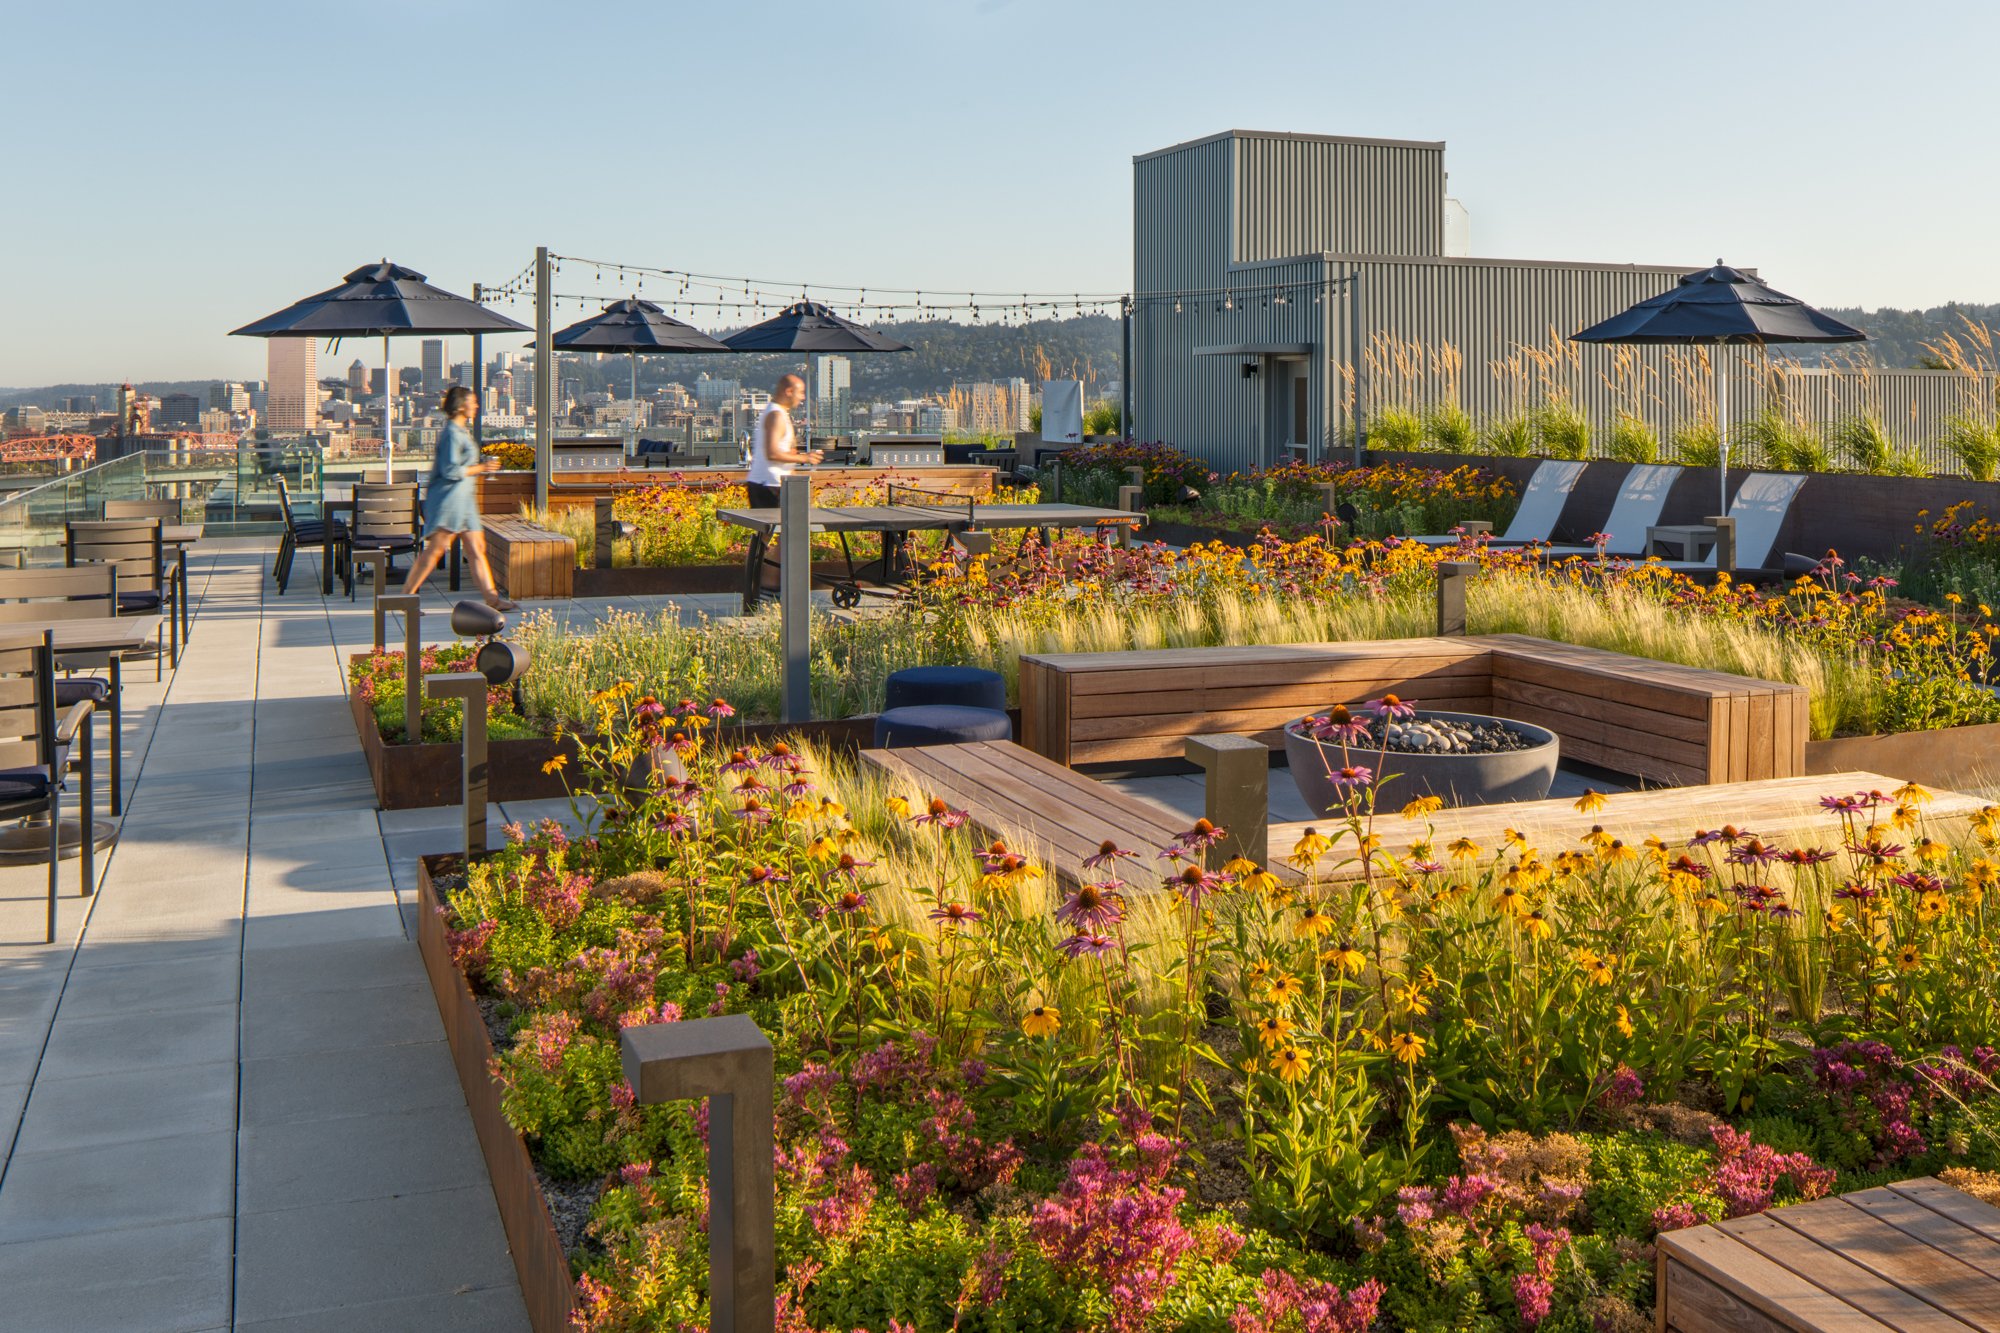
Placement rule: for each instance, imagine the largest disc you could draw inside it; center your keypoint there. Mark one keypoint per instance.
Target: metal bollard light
(498, 663)
(412, 611)
(727, 1060)
(1238, 792)
(1131, 499)
(1452, 578)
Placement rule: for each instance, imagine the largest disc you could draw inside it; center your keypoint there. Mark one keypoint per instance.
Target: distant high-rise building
(709, 391)
(461, 373)
(225, 396)
(434, 367)
(82, 402)
(27, 419)
(375, 382)
(184, 409)
(293, 398)
(357, 378)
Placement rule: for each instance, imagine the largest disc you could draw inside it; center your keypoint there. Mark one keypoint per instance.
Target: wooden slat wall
(1655, 720)
(530, 561)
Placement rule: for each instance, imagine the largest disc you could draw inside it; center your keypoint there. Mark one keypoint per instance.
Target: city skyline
(972, 147)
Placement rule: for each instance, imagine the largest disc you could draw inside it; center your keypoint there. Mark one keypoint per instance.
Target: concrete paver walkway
(225, 1097)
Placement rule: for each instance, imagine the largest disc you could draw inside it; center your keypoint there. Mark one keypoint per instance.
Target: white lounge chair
(1641, 500)
(1760, 506)
(1541, 505)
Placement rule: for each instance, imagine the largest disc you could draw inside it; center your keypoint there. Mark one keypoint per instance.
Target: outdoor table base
(28, 844)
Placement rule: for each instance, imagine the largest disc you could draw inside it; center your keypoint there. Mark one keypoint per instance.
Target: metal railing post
(727, 1060)
(412, 611)
(471, 687)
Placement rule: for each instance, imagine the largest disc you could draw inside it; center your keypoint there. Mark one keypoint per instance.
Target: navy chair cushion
(77, 689)
(968, 687)
(23, 784)
(138, 601)
(940, 724)
(399, 542)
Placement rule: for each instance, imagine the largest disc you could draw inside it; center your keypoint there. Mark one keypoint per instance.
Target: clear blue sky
(174, 170)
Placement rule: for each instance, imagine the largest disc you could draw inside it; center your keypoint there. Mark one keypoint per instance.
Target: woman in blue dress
(451, 500)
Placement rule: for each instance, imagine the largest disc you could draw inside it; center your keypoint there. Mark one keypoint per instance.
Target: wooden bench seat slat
(1751, 1280)
(1930, 1275)
(1222, 691)
(1848, 1281)
(1602, 661)
(1933, 1229)
(1293, 669)
(1960, 1207)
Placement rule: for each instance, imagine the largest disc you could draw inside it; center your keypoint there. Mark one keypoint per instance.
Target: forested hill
(942, 353)
(1898, 337)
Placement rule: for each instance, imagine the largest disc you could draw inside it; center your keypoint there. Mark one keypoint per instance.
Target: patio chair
(1641, 500)
(301, 532)
(35, 746)
(1541, 506)
(42, 595)
(387, 518)
(148, 583)
(1761, 504)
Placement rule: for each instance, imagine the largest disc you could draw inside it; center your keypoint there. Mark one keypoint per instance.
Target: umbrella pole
(388, 415)
(632, 445)
(1722, 423)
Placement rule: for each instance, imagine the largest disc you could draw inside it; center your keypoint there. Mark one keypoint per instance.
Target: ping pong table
(966, 521)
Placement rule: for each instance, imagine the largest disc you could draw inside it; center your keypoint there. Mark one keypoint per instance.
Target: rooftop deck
(225, 1096)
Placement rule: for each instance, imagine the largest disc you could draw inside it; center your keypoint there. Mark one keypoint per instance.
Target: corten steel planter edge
(547, 1287)
(1958, 758)
(411, 777)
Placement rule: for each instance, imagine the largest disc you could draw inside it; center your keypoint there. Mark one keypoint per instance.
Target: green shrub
(1396, 428)
(1561, 430)
(1975, 444)
(1772, 439)
(1697, 444)
(1101, 419)
(1511, 436)
(1633, 441)
(1449, 430)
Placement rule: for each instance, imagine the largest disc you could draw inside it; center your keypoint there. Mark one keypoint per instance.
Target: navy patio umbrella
(381, 300)
(1721, 306)
(808, 326)
(633, 326)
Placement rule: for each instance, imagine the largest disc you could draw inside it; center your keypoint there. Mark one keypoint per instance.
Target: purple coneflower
(1093, 907)
(1752, 852)
(1390, 706)
(1337, 727)
(954, 914)
(850, 901)
(739, 761)
(1201, 837)
(941, 814)
(719, 709)
(1108, 853)
(1352, 777)
(1084, 944)
(1192, 883)
(1806, 856)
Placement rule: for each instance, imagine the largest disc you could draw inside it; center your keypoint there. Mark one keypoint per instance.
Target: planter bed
(660, 580)
(1187, 534)
(547, 1288)
(409, 777)
(1954, 757)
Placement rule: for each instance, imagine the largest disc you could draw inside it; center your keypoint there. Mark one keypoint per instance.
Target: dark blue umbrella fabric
(382, 300)
(1721, 305)
(635, 326)
(810, 327)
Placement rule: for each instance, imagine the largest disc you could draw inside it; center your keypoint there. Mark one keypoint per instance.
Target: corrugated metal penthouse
(1262, 260)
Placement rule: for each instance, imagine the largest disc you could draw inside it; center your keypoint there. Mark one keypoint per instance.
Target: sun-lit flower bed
(1871, 664)
(378, 680)
(1958, 556)
(1388, 499)
(1459, 1088)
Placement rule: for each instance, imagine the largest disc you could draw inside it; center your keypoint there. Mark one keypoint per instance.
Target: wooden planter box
(644, 581)
(410, 777)
(546, 1285)
(1960, 758)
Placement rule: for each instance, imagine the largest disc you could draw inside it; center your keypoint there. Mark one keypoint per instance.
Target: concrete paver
(225, 1098)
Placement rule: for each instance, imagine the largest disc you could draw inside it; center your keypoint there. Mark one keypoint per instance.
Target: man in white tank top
(774, 451)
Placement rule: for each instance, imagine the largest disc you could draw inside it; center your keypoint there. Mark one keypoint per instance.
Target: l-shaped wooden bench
(1654, 720)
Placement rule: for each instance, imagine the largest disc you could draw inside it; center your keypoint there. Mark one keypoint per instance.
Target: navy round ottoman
(972, 687)
(940, 724)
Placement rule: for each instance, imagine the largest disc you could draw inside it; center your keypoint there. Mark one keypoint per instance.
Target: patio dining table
(86, 643)
(333, 503)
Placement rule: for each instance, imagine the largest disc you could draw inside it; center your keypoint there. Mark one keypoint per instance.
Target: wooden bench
(1653, 720)
(1784, 810)
(1914, 1255)
(528, 560)
(1053, 813)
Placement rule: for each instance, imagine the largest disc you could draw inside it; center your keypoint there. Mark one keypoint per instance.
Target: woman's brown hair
(454, 396)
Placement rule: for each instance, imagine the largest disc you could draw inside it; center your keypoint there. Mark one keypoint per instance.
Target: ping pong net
(954, 510)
